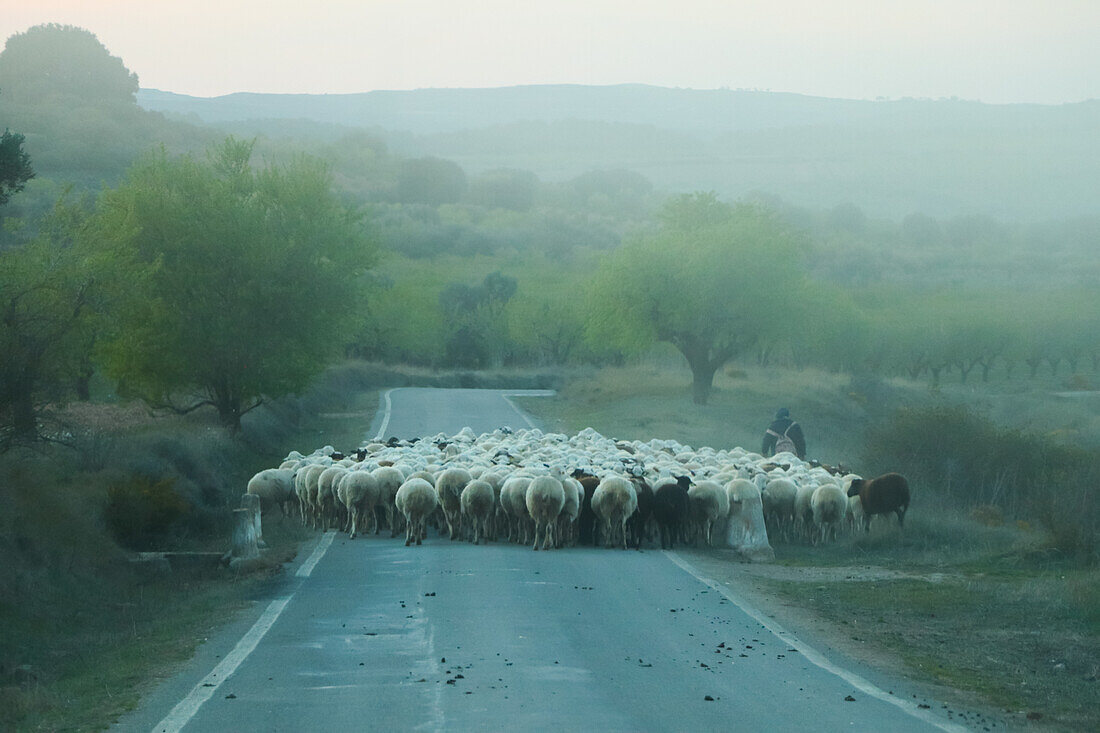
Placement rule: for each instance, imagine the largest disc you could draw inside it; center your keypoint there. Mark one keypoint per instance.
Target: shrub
(966, 459)
(139, 510)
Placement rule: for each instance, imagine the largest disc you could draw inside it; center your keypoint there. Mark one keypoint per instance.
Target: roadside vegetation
(86, 629)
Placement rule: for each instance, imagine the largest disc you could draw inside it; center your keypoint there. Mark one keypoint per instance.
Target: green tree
(431, 181)
(610, 191)
(51, 291)
(505, 188)
(547, 325)
(475, 319)
(255, 275)
(61, 64)
(711, 281)
(15, 165)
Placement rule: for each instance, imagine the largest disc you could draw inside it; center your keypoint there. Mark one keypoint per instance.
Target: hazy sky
(993, 50)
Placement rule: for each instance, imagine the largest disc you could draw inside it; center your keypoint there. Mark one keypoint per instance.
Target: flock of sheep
(554, 490)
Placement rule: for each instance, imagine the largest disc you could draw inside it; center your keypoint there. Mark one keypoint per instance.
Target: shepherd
(784, 435)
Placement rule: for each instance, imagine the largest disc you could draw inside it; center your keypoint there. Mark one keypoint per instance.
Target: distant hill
(943, 157)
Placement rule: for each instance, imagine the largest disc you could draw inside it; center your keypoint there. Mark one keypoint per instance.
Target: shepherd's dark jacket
(795, 435)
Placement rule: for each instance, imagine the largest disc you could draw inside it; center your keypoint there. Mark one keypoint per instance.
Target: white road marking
(526, 393)
(186, 709)
(318, 552)
(182, 713)
(386, 414)
(816, 657)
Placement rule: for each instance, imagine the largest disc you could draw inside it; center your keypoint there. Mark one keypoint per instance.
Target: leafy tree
(475, 316)
(548, 325)
(712, 282)
(848, 217)
(62, 64)
(255, 274)
(79, 101)
(15, 165)
(431, 181)
(51, 291)
(505, 188)
(611, 190)
(921, 230)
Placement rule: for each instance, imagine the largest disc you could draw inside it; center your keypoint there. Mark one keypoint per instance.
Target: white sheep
(416, 500)
(273, 486)
(449, 485)
(513, 498)
(389, 481)
(360, 490)
(614, 500)
(478, 503)
(326, 494)
(803, 511)
(708, 503)
(545, 498)
(829, 506)
(308, 494)
(495, 478)
(778, 499)
(570, 510)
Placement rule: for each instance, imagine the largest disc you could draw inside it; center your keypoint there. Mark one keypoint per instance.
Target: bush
(966, 459)
(140, 511)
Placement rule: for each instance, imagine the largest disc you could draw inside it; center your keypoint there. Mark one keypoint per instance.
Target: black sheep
(636, 525)
(670, 508)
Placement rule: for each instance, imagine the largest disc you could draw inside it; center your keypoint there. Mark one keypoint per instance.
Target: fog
(192, 287)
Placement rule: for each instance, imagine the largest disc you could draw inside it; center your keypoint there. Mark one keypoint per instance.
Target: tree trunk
(229, 410)
(702, 381)
(986, 367)
(703, 366)
(24, 422)
(83, 384)
(964, 370)
(935, 370)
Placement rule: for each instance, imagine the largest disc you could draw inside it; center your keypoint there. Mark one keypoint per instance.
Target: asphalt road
(369, 634)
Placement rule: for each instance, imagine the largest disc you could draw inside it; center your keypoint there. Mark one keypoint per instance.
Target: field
(653, 400)
(981, 608)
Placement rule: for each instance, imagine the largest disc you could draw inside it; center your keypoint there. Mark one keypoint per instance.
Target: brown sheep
(882, 495)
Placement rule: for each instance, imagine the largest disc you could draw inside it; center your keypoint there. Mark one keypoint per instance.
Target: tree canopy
(712, 281)
(62, 64)
(253, 275)
(15, 165)
(53, 289)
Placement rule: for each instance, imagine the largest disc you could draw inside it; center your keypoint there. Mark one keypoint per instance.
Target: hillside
(942, 157)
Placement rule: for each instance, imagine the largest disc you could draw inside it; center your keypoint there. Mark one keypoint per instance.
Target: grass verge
(1027, 643)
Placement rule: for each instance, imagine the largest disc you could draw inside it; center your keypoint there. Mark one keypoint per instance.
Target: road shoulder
(840, 643)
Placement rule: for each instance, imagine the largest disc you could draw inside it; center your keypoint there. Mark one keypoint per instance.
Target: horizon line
(738, 90)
